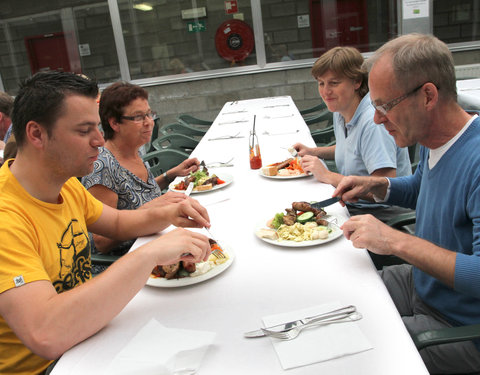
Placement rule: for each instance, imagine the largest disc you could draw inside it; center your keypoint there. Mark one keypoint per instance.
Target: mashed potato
(302, 232)
(204, 267)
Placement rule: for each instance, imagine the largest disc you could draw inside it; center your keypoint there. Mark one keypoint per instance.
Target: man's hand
(167, 198)
(188, 213)
(353, 188)
(171, 247)
(365, 231)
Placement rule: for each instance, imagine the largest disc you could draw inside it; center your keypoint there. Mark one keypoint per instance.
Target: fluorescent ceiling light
(143, 6)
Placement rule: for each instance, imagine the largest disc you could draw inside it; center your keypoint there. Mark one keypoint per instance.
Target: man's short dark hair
(41, 99)
(113, 101)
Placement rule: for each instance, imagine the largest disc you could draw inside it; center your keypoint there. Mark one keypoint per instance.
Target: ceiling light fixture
(146, 7)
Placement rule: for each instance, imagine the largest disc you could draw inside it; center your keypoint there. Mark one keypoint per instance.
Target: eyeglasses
(142, 117)
(384, 108)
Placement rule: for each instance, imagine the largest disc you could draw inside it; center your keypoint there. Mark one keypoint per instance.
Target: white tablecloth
(264, 279)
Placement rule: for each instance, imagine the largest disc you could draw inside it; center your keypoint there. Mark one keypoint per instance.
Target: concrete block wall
(204, 99)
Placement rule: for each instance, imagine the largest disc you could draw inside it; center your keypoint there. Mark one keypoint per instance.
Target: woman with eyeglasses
(362, 148)
(120, 177)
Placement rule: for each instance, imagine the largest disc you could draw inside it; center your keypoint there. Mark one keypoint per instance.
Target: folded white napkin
(317, 344)
(158, 350)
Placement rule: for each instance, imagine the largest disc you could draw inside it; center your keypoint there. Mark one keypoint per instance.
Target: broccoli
(278, 220)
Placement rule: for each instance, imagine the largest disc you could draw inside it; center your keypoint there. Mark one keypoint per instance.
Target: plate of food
(299, 226)
(203, 182)
(183, 274)
(286, 169)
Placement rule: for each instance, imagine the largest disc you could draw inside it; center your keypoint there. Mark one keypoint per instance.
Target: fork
(216, 253)
(268, 133)
(291, 333)
(226, 137)
(220, 163)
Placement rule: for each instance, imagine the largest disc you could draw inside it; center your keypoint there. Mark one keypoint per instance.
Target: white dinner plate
(284, 177)
(161, 282)
(228, 178)
(336, 232)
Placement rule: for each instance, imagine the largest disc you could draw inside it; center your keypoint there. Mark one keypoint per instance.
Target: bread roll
(270, 234)
(203, 187)
(269, 170)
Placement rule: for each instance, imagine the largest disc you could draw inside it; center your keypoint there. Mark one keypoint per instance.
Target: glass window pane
(160, 41)
(456, 21)
(299, 29)
(42, 36)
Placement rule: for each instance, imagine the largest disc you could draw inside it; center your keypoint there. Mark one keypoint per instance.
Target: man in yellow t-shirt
(48, 301)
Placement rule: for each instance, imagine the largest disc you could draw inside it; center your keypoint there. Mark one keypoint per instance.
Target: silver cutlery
(294, 332)
(325, 203)
(340, 313)
(235, 112)
(226, 137)
(232, 122)
(277, 105)
(283, 133)
(275, 117)
(218, 164)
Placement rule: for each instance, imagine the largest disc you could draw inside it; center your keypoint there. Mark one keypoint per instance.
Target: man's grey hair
(418, 59)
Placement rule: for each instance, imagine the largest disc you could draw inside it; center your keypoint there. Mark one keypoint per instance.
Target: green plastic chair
(324, 116)
(446, 335)
(161, 161)
(324, 137)
(320, 107)
(192, 120)
(175, 141)
(103, 259)
(181, 128)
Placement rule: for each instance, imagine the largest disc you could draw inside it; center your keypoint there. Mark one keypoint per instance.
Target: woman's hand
(315, 166)
(303, 150)
(184, 168)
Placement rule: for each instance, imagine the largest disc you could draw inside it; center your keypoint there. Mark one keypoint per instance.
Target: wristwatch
(165, 176)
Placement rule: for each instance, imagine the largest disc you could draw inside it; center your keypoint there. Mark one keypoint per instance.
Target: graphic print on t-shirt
(74, 251)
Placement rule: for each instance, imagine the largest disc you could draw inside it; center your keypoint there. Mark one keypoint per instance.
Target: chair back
(181, 128)
(161, 161)
(320, 107)
(324, 137)
(175, 141)
(192, 120)
(324, 116)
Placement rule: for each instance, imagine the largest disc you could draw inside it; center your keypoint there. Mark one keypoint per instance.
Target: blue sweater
(447, 202)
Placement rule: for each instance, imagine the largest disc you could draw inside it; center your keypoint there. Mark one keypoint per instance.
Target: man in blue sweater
(413, 89)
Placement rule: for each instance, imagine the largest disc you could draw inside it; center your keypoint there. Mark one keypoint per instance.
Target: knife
(344, 311)
(325, 203)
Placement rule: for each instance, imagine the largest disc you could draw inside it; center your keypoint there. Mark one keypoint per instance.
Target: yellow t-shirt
(41, 241)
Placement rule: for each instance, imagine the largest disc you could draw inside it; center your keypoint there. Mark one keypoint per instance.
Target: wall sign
(196, 26)
(231, 6)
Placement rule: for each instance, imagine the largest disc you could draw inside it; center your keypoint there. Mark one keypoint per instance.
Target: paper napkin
(317, 344)
(158, 350)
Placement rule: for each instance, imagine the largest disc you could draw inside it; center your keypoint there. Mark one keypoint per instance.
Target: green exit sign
(196, 26)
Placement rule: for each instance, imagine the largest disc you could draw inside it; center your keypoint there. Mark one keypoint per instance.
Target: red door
(47, 52)
(338, 23)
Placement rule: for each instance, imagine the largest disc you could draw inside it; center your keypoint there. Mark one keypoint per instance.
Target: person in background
(48, 301)
(362, 147)
(120, 178)
(413, 90)
(6, 106)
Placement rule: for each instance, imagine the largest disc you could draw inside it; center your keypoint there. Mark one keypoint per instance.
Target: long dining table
(264, 278)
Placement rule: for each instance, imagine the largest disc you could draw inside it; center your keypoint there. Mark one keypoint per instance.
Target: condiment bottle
(255, 157)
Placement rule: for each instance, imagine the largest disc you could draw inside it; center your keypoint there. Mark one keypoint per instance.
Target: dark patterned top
(132, 191)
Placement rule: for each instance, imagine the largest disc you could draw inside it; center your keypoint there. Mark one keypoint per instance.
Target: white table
(469, 93)
(264, 279)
